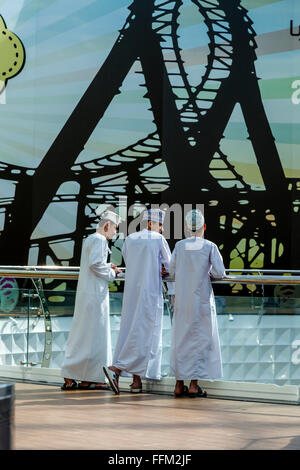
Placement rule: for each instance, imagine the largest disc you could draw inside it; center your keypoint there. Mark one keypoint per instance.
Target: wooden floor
(47, 418)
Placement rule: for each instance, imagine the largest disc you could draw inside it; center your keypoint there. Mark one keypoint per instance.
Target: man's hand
(115, 268)
(163, 271)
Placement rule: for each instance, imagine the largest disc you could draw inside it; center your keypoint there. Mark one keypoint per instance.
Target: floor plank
(47, 418)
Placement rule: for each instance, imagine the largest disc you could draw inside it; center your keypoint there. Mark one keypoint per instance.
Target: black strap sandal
(200, 393)
(113, 379)
(93, 386)
(66, 387)
(137, 389)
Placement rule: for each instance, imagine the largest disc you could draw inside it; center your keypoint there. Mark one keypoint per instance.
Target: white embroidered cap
(155, 215)
(109, 215)
(194, 220)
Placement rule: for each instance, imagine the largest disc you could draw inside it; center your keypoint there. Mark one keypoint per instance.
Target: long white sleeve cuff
(104, 271)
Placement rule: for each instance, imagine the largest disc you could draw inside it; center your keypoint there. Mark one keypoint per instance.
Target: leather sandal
(200, 393)
(92, 386)
(136, 389)
(113, 379)
(72, 386)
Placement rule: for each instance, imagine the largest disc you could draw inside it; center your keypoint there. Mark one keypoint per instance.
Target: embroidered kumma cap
(194, 220)
(155, 215)
(109, 215)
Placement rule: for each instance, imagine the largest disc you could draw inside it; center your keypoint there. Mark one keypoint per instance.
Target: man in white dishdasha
(139, 347)
(89, 341)
(195, 347)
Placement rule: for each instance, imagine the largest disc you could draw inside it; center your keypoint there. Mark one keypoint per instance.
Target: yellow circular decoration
(12, 54)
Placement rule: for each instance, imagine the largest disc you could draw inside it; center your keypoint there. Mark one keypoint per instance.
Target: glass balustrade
(259, 330)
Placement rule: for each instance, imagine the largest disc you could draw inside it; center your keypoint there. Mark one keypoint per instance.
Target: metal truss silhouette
(254, 225)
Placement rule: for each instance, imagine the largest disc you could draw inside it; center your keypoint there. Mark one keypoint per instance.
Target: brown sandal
(72, 386)
(136, 389)
(92, 386)
(200, 393)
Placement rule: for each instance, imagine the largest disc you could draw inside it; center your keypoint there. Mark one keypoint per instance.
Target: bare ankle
(137, 379)
(115, 369)
(68, 381)
(194, 384)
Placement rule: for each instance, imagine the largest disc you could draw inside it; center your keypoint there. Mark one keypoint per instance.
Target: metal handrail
(76, 269)
(293, 271)
(40, 272)
(72, 272)
(281, 280)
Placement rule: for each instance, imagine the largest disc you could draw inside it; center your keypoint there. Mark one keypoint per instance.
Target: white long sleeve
(166, 260)
(217, 269)
(172, 266)
(98, 260)
(165, 253)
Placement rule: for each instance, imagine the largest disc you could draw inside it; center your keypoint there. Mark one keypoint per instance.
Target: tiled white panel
(251, 354)
(262, 349)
